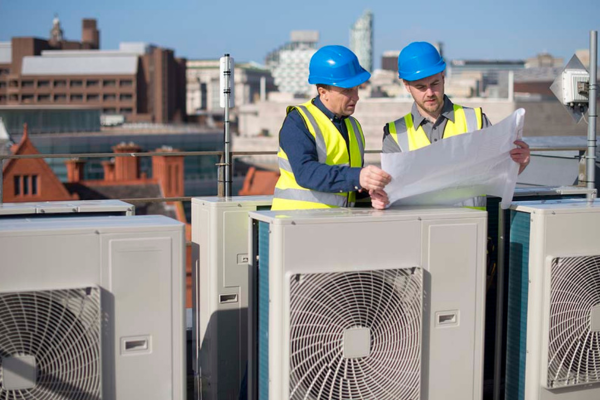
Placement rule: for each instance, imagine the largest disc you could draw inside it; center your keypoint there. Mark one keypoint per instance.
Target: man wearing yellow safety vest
(433, 116)
(321, 147)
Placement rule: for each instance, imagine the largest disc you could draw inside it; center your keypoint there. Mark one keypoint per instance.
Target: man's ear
(322, 92)
(406, 85)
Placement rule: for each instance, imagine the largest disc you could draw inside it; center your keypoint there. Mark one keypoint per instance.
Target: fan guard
(573, 348)
(388, 303)
(60, 329)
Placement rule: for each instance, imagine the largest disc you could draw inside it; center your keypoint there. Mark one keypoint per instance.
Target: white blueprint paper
(457, 168)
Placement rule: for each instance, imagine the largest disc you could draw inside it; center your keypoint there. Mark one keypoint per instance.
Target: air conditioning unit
(355, 303)
(554, 301)
(220, 275)
(92, 308)
(47, 209)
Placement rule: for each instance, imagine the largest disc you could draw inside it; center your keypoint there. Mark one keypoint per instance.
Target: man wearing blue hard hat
(433, 116)
(321, 147)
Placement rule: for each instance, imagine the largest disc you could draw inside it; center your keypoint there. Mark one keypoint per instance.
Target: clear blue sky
(501, 29)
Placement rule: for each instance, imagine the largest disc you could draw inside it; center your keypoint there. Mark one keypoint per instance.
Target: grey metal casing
(449, 244)
(139, 263)
(66, 208)
(561, 228)
(220, 298)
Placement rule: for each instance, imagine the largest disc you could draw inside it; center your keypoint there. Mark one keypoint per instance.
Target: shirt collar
(447, 112)
(319, 104)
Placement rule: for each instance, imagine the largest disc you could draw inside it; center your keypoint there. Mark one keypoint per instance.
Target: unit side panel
(51, 261)
(144, 275)
(454, 255)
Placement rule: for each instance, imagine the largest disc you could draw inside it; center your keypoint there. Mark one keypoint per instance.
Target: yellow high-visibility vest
(331, 150)
(409, 139)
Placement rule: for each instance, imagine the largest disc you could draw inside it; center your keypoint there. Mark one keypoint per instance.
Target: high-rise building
(361, 40)
(289, 63)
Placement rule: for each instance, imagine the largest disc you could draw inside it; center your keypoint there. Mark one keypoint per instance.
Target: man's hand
(379, 199)
(521, 154)
(374, 178)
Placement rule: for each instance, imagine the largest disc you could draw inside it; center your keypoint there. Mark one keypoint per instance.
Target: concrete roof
(78, 62)
(5, 53)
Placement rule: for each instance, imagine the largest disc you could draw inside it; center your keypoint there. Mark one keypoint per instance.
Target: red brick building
(143, 82)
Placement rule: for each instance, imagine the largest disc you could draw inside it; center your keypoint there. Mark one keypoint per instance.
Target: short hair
(321, 85)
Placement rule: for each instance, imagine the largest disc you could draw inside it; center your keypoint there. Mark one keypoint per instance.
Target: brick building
(143, 82)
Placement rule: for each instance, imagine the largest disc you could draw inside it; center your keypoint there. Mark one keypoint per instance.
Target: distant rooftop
(81, 62)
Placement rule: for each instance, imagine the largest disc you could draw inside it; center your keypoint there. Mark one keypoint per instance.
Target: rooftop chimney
(127, 168)
(75, 170)
(90, 35)
(168, 170)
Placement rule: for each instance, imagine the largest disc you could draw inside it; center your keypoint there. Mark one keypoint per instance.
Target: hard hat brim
(424, 73)
(345, 84)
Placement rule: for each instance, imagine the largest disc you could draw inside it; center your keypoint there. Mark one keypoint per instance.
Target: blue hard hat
(419, 60)
(336, 66)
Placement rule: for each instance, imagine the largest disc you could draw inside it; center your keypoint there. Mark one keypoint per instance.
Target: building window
(13, 83)
(93, 97)
(4, 71)
(76, 97)
(26, 185)
(13, 97)
(2, 98)
(2, 84)
(43, 97)
(92, 83)
(126, 97)
(126, 83)
(27, 98)
(77, 83)
(43, 84)
(109, 97)
(109, 83)
(27, 84)
(60, 97)
(109, 110)
(60, 83)
(126, 110)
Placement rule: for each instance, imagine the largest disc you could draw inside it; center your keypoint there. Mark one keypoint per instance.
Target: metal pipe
(592, 115)
(511, 85)
(227, 92)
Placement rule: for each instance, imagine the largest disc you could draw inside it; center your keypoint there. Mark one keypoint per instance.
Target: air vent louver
(331, 311)
(50, 345)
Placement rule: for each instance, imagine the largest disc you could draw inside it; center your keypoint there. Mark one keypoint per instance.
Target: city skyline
(195, 29)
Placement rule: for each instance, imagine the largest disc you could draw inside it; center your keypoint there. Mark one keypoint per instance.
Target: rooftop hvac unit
(554, 301)
(367, 304)
(92, 308)
(220, 273)
(86, 208)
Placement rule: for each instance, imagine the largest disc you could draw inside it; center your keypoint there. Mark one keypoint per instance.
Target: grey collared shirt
(433, 130)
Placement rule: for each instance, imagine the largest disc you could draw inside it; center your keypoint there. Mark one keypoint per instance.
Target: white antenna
(227, 101)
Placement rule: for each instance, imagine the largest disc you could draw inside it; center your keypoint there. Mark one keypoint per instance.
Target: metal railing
(220, 166)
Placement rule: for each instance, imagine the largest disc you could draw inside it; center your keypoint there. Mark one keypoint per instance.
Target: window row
(63, 97)
(26, 185)
(71, 83)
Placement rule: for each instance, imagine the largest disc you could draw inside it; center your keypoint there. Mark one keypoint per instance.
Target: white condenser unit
(62, 209)
(553, 322)
(367, 304)
(220, 276)
(92, 308)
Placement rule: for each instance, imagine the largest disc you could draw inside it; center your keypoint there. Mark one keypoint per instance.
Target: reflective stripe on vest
(465, 120)
(331, 150)
(409, 138)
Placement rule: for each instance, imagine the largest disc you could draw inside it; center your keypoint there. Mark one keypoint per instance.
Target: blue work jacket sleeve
(301, 149)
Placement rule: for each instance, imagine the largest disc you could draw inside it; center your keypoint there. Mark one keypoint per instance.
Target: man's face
(428, 92)
(339, 101)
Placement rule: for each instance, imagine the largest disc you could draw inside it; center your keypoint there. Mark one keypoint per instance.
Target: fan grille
(574, 349)
(61, 330)
(324, 306)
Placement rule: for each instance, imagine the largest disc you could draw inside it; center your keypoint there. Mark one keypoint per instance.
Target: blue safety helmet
(336, 66)
(419, 60)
